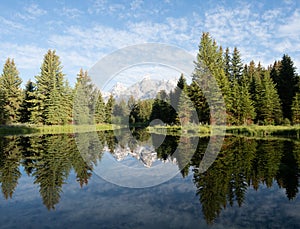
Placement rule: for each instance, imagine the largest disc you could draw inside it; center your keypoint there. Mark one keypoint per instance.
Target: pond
(68, 181)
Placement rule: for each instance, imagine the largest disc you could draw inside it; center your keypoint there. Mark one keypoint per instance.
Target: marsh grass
(53, 129)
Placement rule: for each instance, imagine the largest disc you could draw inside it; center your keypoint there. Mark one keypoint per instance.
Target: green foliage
(269, 107)
(109, 108)
(141, 112)
(199, 103)
(236, 65)
(296, 109)
(210, 64)
(100, 109)
(51, 99)
(10, 93)
(185, 107)
(286, 79)
(26, 106)
(84, 100)
(251, 94)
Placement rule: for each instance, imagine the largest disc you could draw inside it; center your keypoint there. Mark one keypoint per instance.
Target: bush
(286, 122)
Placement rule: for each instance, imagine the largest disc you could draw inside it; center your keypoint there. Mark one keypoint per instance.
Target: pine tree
(84, 100)
(247, 104)
(236, 65)
(26, 106)
(210, 63)
(287, 84)
(100, 109)
(185, 107)
(10, 92)
(48, 104)
(296, 109)
(109, 109)
(269, 107)
(227, 61)
(199, 102)
(177, 91)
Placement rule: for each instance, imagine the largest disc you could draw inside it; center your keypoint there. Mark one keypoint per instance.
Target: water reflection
(242, 163)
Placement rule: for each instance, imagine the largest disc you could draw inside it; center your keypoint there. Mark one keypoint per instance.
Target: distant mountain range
(145, 89)
(144, 154)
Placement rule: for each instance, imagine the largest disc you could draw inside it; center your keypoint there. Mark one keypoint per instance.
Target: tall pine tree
(10, 92)
(287, 84)
(84, 100)
(49, 105)
(210, 63)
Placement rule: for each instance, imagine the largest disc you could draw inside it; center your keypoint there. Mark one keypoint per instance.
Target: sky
(83, 32)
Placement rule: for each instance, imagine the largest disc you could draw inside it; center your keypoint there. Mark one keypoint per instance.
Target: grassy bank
(55, 129)
(263, 131)
(251, 130)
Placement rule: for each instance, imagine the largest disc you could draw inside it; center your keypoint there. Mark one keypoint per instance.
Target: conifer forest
(253, 94)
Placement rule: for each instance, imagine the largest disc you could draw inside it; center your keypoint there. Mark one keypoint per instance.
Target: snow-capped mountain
(145, 89)
(144, 154)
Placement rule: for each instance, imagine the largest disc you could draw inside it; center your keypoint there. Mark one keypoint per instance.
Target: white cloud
(71, 12)
(7, 25)
(136, 4)
(31, 12)
(292, 27)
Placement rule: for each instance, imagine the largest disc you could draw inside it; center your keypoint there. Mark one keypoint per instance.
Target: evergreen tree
(177, 91)
(269, 107)
(199, 102)
(210, 63)
(109, 109)
(26, 106)
(236, 65)
(185, 107)
(275, 71)
(141, 112)
(49, 106)
(287, 84)
(227, 61)
(161, 107)
(296, 109)
(84, 99)
(100, 109)
(247, 104)
(10, 92)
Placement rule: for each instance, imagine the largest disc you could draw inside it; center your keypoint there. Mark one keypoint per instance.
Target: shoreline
(251, 130)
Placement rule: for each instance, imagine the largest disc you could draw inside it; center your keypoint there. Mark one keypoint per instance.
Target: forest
(252, 93)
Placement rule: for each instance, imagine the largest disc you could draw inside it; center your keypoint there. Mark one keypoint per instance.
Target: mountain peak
(145, 89)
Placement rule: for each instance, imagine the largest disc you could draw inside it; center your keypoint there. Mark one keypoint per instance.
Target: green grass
(263, 131)
(53, 129)
(203, 130)
(251, 130)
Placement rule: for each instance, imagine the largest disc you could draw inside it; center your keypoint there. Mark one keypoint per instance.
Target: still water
(46, 182)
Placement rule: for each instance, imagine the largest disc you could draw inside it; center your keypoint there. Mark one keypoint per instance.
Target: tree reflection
(10, 156)
(241, 163)
(245, 162)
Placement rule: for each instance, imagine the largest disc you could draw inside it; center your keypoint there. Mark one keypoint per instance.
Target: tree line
(50, 100)
(251, 92)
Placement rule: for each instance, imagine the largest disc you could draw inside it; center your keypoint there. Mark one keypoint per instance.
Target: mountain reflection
(242, 163)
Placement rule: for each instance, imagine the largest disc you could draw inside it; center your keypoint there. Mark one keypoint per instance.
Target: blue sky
(82, 32)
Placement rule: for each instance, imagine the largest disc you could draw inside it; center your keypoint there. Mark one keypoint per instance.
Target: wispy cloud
(7, 25)
(291, 27)
(71, 12)
(31, 12)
